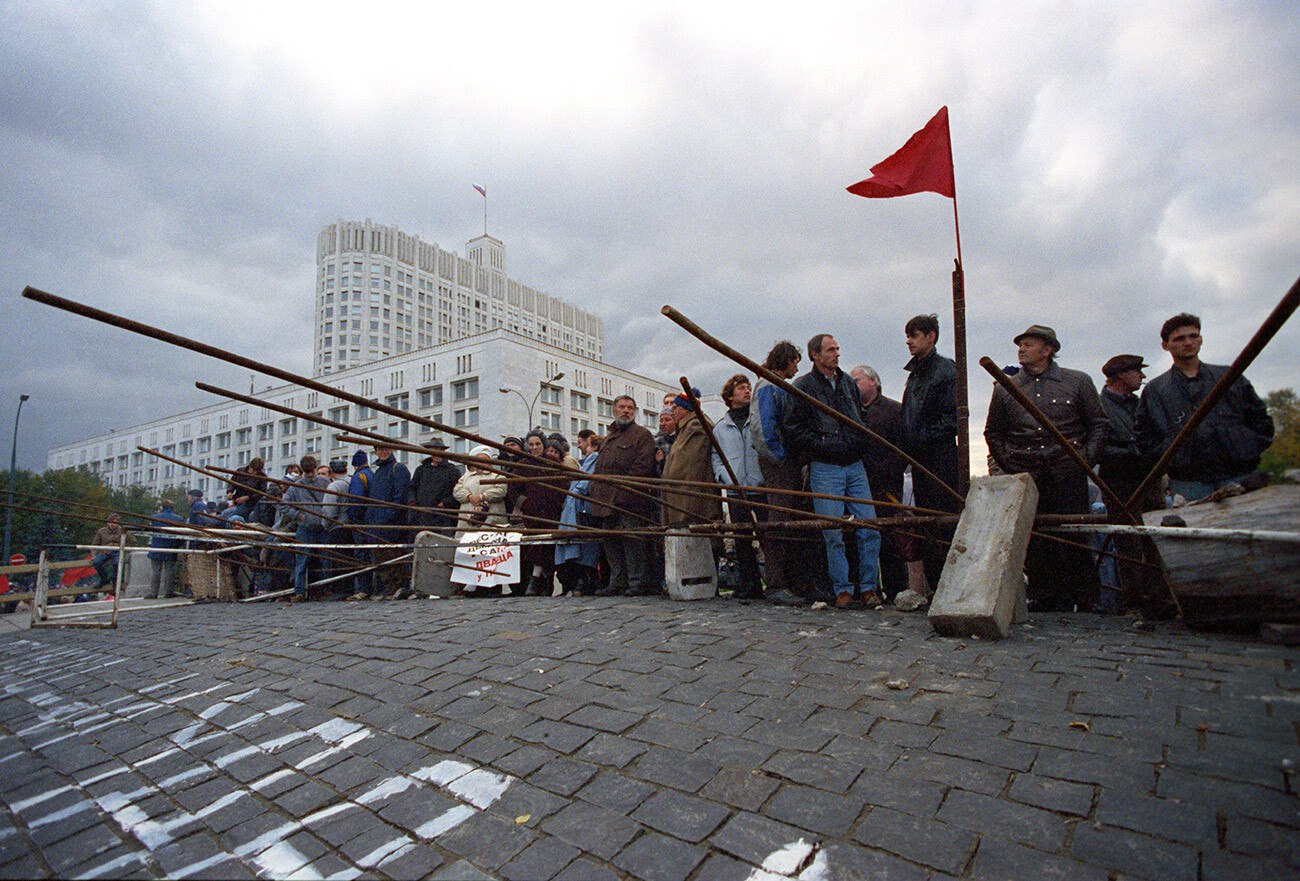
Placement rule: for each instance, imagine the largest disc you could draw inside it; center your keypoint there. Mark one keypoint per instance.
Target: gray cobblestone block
(585, 870)
(904, 734)
(76, 849)
(602, 718)
(352, 773)
(419, 861)
(414, 807)
(819, 812)
(305, 799)
(563, 776)
(524, 760)
(937, 845)
(654, 857)
(736, 751)
(1000, 860)
(1027, 825)
(675, 769)
(522, 799)
(487, 748)
(726, 723)
(668, 734)
(953, 771)
(592, 829)
(605, 749)
(1228, 795)
(448, 736)
(487, 841)
(1134, 854)
(789, 736)
(989, 750)
(752, 838)
(540, 861)
(616, 792)
(1163, 818)
(1054, 795)
(920, 798)
(740, 788)
(681, 816)
(817, 771)
(411, 725)
(1106, 771)
(558, 736)
(1220, 865)
(1257, 838)
(369, 839)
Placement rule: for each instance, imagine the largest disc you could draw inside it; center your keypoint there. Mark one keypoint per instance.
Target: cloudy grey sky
(1116, 162)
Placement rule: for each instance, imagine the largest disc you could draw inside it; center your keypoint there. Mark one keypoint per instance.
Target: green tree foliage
(82, 504)
(1284, 407)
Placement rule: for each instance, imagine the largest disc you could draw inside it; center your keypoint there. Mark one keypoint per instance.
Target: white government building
(445, 337)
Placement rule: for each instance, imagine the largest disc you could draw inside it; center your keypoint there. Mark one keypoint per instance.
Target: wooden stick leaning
(718, 346)
(371, 437)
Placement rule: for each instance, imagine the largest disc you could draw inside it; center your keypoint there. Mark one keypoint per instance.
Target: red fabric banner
(923, 164)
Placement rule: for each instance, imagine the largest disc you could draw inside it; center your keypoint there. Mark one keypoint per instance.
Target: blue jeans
(302, 559)
(1193, 490)
(846, 480)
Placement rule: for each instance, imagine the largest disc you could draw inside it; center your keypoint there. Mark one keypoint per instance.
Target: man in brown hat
(1059, 577)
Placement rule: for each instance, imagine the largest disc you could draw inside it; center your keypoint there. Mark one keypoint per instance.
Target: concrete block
(689, 568)
(431, 565)
(138, 572)
(983, 581)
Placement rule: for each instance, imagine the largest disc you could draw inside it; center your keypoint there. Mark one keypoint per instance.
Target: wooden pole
(718, 346)
(1266, 332)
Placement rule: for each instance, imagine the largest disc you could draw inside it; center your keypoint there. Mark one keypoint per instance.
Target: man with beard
(629, 451)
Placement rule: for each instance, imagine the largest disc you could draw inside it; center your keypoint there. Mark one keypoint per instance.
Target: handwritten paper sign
(485, 559)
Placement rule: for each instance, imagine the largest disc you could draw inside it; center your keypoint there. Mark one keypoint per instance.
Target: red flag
(72, 576)
(924, 164)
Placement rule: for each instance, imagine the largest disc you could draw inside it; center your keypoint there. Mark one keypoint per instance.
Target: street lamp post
(13, 465)
(530, 404)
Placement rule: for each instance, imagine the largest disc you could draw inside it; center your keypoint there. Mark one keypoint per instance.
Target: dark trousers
(942, 462)
(787, 552)
(751, 582)
(629, 557)
(1061, 577)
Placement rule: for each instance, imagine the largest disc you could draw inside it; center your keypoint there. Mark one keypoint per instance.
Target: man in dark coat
(629, 451)
(885, 474)
(431, 487)
(1123, 465)
(929, 414)
(390, 483)
(1060, 577)
(1227, 446)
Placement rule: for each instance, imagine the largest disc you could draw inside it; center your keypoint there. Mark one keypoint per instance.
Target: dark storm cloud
(1113, 166)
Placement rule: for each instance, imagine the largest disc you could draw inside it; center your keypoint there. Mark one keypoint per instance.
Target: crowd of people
(773, 483)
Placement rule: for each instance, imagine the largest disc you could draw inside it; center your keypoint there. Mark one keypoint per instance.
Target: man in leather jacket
(1060, 577)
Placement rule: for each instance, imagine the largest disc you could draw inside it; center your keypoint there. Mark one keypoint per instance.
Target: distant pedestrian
(162, 552)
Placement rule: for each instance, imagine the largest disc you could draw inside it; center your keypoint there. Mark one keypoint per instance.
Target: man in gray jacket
(1060, 577)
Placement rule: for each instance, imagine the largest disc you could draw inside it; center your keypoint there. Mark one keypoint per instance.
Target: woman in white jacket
(481, 505)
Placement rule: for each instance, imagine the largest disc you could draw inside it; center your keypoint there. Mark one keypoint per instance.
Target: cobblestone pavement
(595, 739)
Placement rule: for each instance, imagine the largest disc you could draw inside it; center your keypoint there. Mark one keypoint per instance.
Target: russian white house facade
(382, 292)
(477, 352)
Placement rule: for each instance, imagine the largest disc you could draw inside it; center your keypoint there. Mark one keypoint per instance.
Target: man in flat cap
(1060, 577)
(1123, 464)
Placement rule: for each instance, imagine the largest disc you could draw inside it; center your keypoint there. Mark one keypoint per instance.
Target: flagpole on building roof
(482, 191)
(959, 357)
